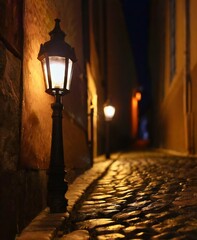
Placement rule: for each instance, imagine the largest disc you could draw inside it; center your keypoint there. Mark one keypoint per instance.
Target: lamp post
(57, 58)
(109, 112)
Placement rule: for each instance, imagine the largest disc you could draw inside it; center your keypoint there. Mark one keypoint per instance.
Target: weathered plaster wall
(121, 74)
(170, 122)
(25, 111)
(172, 108)
(111, 72)
(36, 133)
(95, 71)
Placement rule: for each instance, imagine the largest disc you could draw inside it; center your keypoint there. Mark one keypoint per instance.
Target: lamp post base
(57, 186)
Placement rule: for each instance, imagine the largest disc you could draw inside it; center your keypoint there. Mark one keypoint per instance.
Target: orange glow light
(138, 96)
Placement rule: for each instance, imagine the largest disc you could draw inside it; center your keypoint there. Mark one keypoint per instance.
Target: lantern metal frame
(56, 186)
(56, 47)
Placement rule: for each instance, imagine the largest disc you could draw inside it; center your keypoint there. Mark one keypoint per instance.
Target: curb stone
(45, 226)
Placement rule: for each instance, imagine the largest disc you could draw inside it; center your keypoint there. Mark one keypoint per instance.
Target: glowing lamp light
(138, 96)
(109, 112)
(57, 58)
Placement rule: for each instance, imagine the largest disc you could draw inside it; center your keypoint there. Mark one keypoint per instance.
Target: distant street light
(138, 96)
(109, 112)
(57, 58)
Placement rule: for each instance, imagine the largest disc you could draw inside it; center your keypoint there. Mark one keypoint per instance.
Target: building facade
(172, 65)
(110, 71)
(104, 69)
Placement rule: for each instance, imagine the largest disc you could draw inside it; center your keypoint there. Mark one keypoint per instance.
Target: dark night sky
(137, 20)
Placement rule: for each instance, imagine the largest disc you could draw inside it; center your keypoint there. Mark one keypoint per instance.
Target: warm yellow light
(109, 112)
(57, 69)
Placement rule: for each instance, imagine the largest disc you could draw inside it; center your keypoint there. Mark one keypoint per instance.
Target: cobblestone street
(141, 196)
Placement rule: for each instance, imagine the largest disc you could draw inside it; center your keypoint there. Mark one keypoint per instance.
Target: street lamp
(109, 112)
(57, 58)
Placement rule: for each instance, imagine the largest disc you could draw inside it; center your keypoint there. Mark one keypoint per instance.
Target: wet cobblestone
(141, 197)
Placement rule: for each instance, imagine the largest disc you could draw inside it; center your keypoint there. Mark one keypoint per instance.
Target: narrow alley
(140, 196)
(87, 88)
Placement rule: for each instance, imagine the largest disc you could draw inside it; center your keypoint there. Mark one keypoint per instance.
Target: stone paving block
(92, 223)
(126, 215)
(110, 228)
(110, 236)
(77, 235)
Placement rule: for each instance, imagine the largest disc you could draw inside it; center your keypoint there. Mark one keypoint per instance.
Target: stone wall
(25, 111)
(22, 191)
(10, 88)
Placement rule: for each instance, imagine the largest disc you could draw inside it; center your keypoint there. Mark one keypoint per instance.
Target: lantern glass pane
(69, 74)
(57, 69)
(44, 66)
(109, 112)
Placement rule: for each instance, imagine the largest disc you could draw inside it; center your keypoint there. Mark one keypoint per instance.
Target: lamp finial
(57, 33)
